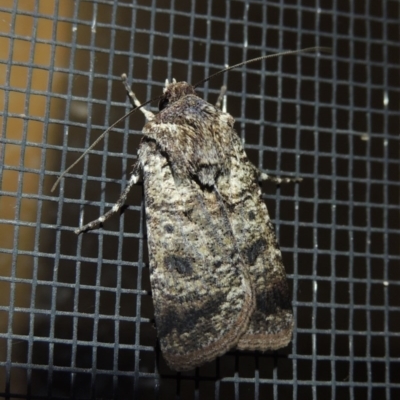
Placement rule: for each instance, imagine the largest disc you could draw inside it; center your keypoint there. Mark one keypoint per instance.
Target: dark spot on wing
(252, 216)
(271, 304)
(181, 264)
(187, 320)
(188, 213)
(276, 298)
(169, 228)
(254, 250)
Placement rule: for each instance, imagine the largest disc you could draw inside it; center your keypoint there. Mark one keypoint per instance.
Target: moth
(216, 271)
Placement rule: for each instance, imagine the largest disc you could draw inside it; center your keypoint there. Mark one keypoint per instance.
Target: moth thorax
(175, 91)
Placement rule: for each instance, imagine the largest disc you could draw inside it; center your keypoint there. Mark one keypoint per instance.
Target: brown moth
(216, 271)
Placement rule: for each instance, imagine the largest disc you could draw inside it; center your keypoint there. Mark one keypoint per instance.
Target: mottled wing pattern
(216, 269)
(271, 324)
(201, 293)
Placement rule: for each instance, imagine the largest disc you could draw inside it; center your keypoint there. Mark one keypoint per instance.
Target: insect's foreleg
(278, 179)
(116, 207)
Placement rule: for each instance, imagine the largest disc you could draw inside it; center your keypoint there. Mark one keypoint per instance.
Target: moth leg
(221, 101)
(278, 179)
(117, 206)
(134, 100)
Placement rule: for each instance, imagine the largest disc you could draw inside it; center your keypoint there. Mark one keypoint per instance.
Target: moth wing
(201, 292)
(271, 323)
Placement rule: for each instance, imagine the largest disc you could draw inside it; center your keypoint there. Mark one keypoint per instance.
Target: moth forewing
(271, 323)
(202, 295)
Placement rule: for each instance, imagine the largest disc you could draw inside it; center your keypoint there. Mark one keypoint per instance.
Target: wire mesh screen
(76, 312)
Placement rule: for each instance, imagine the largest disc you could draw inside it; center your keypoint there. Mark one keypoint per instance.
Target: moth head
(173, 92)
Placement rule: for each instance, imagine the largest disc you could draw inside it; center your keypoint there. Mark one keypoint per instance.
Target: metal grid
(76, 318)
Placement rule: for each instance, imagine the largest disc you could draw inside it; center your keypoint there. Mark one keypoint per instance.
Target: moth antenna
(100, 138)
(285, 53)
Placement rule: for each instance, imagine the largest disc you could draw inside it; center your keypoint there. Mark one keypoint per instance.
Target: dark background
(76, 316)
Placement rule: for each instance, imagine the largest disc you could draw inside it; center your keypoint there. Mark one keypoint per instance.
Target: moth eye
(163, 103)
